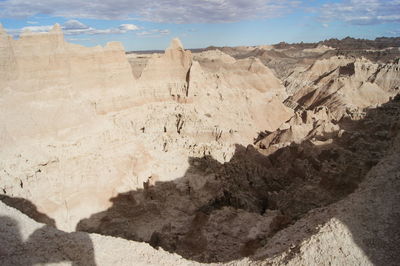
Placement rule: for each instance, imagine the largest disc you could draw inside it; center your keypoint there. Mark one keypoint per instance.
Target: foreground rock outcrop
(221, 212)
(360, 229)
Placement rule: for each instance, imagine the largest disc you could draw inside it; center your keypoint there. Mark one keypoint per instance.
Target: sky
(151, 24)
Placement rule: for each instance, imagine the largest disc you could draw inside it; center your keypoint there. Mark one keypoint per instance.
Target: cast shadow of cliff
(207, 214)
(28, 208)
(45, 244)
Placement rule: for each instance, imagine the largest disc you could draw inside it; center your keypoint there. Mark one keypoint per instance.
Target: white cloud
(164, 32)
(75, 27)
(394, 32)
(325, 25)
(37, 28)
(32, 22)
(153, 33)
(362, 12)
(128, 27)
(77, 39)
(173, 11)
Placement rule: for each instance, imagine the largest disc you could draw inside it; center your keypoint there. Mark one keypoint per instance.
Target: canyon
(279, 154)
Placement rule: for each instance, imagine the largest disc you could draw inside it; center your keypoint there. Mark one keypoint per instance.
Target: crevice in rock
(188, 80)
(253, 192)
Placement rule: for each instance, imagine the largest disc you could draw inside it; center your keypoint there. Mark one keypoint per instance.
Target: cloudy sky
(150, 24)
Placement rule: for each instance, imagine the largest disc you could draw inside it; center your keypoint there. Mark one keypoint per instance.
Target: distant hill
(345, 44)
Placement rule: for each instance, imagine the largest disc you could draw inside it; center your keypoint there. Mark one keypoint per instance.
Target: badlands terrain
(262, 155)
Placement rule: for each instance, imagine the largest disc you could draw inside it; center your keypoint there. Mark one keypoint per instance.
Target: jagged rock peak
(56, 29)
(2, 30)
(176, 44)
(26, 32)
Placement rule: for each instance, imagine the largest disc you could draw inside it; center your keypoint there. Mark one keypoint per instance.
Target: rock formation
(78, 123)
(172, 72)
(342, 83)
(283, 154)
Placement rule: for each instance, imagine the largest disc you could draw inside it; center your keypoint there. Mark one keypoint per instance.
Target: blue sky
(151, 24)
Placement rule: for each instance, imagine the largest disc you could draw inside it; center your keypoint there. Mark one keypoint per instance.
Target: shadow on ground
(245, 207)
(28, 208)
(222, 212)
(44, 245)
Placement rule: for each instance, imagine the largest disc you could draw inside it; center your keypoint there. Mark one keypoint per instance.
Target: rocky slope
(84, 138)
(283, 57)
(343, 84)
(359, 229)
(221, 212)
(248, 155)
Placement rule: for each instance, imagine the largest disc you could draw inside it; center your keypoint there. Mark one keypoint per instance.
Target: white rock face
(57, 83)
(344, 83)
(80, 126)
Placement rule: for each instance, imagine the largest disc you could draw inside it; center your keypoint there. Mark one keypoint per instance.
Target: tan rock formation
(156, 149)
(171, 70)
(343, 83)
(79, 124)
(246, 73)
(59, 84)
(43, 61)
(338, 233)
(316, 126)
